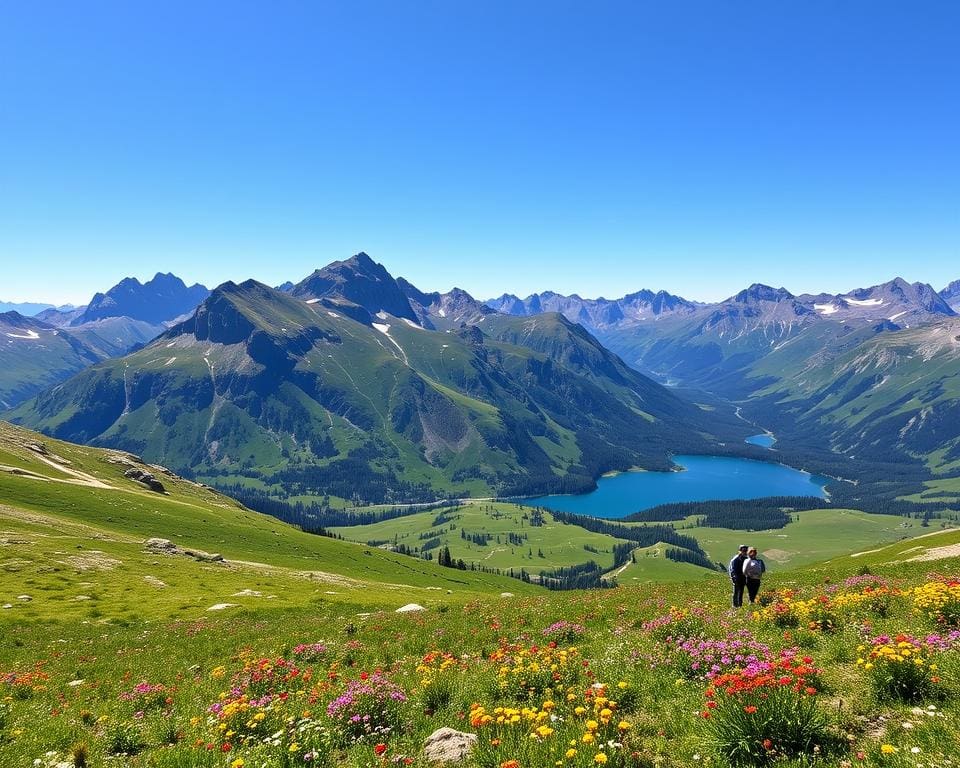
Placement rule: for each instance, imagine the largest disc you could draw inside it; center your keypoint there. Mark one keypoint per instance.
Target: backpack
(735, 569)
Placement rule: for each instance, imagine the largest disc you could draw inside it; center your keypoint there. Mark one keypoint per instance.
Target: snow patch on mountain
(27, 334)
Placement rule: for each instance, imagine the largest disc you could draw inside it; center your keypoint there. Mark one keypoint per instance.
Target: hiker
(735, 569)
(753, 570)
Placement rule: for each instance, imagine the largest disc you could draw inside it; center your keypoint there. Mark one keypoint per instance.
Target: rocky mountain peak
(359, 280)
(760, 292)
(161, 299)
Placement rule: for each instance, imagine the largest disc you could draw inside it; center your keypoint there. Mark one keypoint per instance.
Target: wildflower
(600, 758)
(379, 749)
(888, 749)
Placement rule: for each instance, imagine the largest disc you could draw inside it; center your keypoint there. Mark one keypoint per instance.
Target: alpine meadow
(506, 385)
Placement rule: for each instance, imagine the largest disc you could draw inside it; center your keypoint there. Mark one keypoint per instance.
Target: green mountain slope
(894, 397)
(52, 492)
(34, 355)
(310, 397)
(872, 400)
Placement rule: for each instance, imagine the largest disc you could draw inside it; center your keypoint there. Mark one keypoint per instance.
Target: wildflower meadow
(857, 672)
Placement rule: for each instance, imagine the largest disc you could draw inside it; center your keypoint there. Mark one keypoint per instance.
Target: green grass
(651, 566)
(105, 616)
(944, 490)
(817, 535)
(90, 658)
(560, 545)
(119, 518)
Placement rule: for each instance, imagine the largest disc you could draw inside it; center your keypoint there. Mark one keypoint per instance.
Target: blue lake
(764, 441)
(704, 478)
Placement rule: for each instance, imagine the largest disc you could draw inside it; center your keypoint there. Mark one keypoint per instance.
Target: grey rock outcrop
(146, 478)
(446, 745)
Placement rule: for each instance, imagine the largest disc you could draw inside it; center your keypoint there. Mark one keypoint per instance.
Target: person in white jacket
(753, 570)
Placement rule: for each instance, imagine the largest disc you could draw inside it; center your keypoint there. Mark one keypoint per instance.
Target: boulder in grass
(446, 745)
(160, 545)
(145, 478)
(410, 608)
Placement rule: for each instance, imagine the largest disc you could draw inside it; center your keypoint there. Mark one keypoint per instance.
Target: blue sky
(498, 146)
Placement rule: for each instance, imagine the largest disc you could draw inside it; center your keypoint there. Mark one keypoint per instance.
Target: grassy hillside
(492, 535)
(70, 516)
(816, 535)
(478, 533)
(35, 355)
(143, 674)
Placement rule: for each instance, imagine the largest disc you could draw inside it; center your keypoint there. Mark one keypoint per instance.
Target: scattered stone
(154, 581)
(94, 560)
(125, 459)
(506, 594)
(82, 598)
(221, 606)
(167, 547)
(247, 593)
(146, 478)
(75, 683)
(7, 606)
(410, 608)
(25, 598)
(205, 557)
(37, 448)
(160, 545)
(446, 745)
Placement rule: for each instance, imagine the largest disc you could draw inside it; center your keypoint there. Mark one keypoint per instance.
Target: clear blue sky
(499, 146)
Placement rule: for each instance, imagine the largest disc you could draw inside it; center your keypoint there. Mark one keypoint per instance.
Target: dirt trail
(79, 478)
(938, 553)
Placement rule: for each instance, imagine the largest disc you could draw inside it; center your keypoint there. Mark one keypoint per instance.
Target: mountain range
(38, 352)
(31, 308)
(356, 385)
(353, 385)
(860, 384)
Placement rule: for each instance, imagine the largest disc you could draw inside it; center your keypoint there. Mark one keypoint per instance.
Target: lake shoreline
(695, 478)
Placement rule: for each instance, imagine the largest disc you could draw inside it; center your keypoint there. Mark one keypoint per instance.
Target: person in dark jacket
(753, 570)
(735, 569)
